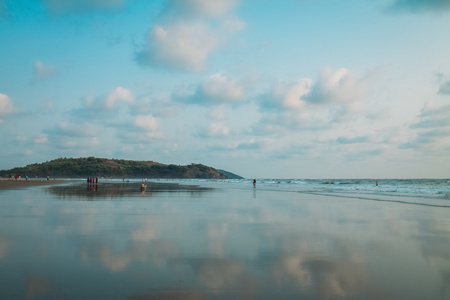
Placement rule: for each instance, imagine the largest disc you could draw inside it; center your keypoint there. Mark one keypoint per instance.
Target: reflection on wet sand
(233, 244)
(37, 287)
(173, 295)
(113, 189)
(4, 243)
(157, 253)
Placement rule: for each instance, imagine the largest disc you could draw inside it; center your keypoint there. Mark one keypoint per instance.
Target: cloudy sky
(262, 88)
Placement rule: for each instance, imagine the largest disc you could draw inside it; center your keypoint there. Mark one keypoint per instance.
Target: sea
(418, 191)
(426, 187)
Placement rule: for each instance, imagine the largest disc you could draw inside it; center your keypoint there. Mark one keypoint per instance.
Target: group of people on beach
(17, 177)
(92, 180)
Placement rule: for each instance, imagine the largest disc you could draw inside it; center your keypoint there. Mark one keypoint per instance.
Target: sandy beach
(6, 184)
(112, 241)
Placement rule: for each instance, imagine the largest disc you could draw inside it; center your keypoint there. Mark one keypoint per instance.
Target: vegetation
(230, 175)
(116, 168)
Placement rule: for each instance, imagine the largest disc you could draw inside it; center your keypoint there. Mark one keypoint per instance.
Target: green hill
(230, 175)
(116, 168)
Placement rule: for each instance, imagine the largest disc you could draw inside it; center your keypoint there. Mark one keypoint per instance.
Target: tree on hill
(103, 167)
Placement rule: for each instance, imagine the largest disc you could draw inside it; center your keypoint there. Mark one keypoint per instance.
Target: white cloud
(332, 87)
(73, 143)
(218, 129)
(6, 106)
(119, 94)
(287, 95)
(146, 122)
(68, 130)
(307, 104)
(180, 46)
(156, 105)
(217, 113)
(149, 124)
(188, 32)
(219, 88)
(95, 109)
(338, 86)
(254, 144)
(42, 139)
(199, 8)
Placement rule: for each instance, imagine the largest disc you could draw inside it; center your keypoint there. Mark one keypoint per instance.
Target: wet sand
(181, 242)
(6, 184)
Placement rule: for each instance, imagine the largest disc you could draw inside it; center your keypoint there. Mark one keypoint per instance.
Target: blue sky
(265, 89)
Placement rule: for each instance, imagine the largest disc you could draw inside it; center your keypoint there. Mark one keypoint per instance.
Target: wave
(417, 188)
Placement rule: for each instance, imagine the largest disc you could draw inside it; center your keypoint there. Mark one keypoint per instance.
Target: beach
(6, 184)
(209, 240)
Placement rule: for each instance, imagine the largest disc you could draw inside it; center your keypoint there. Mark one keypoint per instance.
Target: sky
(261, 88)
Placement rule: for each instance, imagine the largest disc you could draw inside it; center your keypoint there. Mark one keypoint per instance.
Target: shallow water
(178, 242)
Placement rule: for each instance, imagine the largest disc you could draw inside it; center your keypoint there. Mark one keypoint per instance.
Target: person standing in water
(254, 183)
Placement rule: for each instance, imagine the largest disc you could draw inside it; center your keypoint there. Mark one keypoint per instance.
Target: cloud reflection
(4, 245)
(171, 247)
(116, 260)
(38, 286)
(173, 295)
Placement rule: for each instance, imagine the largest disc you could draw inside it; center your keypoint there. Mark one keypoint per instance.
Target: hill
(116, 168)
(230, 175)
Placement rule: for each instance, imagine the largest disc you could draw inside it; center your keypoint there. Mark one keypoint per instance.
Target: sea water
(413, 187)
(426, 191)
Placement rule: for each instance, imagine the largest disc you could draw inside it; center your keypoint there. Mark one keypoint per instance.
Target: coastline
(6, 184)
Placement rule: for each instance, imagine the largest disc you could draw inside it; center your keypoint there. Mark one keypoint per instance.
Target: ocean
(417, 187)
(434, 188)
(419, 191)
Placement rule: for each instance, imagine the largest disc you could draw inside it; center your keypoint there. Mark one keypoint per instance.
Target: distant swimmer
(254, 183)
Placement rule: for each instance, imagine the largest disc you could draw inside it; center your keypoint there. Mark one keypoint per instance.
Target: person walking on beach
(254, 183)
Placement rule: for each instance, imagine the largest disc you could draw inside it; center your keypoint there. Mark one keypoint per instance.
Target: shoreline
(6, 184)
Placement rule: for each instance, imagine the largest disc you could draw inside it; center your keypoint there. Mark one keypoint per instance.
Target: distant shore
(6, 184)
